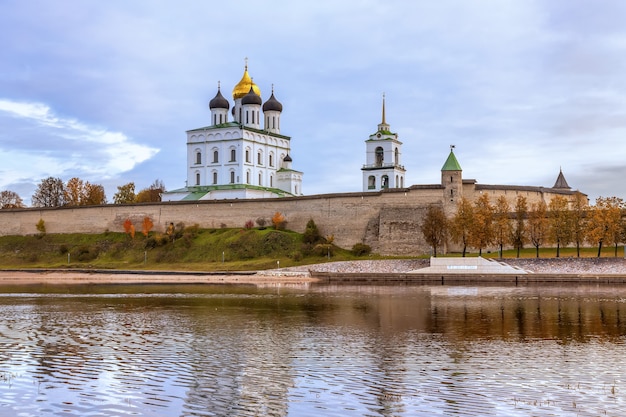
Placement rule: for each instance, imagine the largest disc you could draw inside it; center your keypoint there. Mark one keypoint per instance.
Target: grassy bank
(191, 249)
(194, 249)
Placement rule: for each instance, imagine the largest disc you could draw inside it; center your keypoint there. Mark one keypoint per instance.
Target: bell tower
(382, 169)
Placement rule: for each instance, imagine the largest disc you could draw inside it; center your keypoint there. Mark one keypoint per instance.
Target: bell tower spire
(383, 126)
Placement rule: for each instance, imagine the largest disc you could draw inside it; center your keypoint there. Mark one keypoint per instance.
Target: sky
(105, 90)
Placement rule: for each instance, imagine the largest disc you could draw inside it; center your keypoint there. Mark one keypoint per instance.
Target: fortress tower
(382, 168)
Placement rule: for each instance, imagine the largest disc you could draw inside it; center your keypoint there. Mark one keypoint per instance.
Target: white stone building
(382, 169)
(244, 158)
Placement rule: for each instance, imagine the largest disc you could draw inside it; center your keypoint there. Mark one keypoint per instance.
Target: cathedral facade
(246, 157)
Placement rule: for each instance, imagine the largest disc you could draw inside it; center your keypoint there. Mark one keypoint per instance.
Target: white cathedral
(244, 158)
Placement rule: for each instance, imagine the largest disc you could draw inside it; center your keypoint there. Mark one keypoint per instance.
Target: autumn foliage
(129, 228)
(279, 221)
(146, 226)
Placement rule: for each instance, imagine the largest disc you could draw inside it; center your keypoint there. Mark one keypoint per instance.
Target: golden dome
(243, 87)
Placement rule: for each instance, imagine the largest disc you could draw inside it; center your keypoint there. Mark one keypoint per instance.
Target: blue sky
(105, 91)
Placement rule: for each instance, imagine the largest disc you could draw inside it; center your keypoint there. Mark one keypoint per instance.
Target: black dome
(288, 158)
(272, 104)
(219, 102)
(251, 98)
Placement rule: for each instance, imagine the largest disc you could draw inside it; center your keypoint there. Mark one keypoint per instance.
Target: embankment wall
(387, 221)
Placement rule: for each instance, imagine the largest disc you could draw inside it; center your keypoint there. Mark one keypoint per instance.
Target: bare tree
(10, 200)
(434, 228)
(50, 193)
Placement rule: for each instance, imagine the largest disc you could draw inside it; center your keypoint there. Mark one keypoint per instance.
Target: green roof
(451, 163)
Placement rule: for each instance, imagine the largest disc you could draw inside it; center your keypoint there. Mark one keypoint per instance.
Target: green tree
(311, 234)
(502, 222)
(537, 225)
(49, 193)
(482, 231)
(559, 223)
(434, 228)
(461, 224)
(125, 194)
(518, 230)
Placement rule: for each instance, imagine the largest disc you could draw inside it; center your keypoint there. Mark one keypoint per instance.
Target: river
(310, 350)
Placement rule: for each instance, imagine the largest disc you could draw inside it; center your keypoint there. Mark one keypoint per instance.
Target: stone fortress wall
(389, 221)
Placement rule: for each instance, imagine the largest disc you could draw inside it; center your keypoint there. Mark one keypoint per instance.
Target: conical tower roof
(560, 182)
(451, 163)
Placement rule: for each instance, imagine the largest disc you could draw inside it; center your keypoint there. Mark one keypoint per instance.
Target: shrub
(361, 249)
(63, 249)
(261, 222)
(296, 256)
(311, 233)
(279, 221)
(41, 226)
(85, 253)
(324, 249)
(249, 224)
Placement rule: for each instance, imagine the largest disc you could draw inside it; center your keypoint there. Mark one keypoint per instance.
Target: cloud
(51, 145)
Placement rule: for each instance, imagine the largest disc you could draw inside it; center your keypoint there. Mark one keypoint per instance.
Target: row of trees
(53, 192)
(562, 222)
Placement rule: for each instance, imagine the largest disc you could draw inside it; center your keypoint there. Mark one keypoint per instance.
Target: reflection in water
(345, 350)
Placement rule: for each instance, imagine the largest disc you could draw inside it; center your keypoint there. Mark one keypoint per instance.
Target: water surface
(312, 350)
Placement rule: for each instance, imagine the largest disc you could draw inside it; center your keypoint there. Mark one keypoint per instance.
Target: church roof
(251, 98)
(560, 182)
(272, 104)
(451, 163)
(243, 86)
(219, 101)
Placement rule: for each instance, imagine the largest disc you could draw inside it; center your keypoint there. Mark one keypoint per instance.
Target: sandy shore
(148, 277)
(297, 275)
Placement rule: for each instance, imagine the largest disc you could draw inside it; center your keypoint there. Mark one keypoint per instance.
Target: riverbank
(397, 270)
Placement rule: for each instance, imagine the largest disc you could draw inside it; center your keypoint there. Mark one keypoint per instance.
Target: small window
(215, 178)
(260, 158)
(247, 177)
(260, 179)
(271, 160)
(198, 157)
(232, 177)
(233, 155)
(247, 156)
(215, 157)
(197, 178)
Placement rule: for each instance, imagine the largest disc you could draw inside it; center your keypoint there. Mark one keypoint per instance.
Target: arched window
(232, 177)
(271, 157)
(260, 179)
(197, 178)
(371, 182)
(198, 157)
(233, 155)
(397, 156)
(215, 157)
(271, 180)
(260, 158)
(214, 177)
(380, 156)
(396, 184)
(384, 183)
(247, 177)
(247, 155)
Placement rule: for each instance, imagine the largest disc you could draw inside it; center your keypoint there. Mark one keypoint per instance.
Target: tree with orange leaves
(278, 220)
(146, 226)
